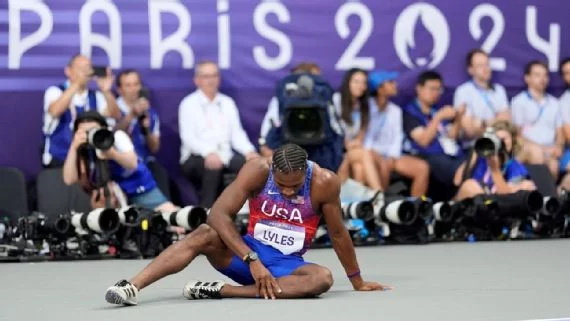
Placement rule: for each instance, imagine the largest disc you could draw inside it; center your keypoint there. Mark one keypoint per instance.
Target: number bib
(286, 238)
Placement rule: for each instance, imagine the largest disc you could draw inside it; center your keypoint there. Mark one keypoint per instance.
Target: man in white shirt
(62, 104)
(537, 114)
(485, 101)
(210, 131)
(385, 135)
(565, 112)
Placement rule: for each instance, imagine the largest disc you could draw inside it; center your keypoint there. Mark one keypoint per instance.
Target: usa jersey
(287, 225)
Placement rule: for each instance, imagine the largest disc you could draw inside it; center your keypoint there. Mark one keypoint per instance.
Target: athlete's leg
(177, 256)
(308, 280)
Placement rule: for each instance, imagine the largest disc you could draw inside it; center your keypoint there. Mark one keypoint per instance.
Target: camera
(358, 210)
(488, 144)
(189, 217)
(100, 138)
(305, 110)
(395, 210)
(101, 220)
(99, 71)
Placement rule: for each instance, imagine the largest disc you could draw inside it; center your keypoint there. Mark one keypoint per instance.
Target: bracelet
(351, 275)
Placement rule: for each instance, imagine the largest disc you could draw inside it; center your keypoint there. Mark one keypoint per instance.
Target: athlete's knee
(323, 282)
(200, 237)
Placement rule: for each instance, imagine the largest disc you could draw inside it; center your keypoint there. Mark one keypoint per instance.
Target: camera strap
(468, 170)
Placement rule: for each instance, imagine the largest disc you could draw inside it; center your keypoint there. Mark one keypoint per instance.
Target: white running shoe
(123, 292)
(195, 290)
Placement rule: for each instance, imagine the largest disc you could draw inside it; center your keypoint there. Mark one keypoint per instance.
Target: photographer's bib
(286, 238)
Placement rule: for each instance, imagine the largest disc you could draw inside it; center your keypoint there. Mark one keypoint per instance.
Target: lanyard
(541, 108)
(487, 177)
(485, 96)
(378, 129)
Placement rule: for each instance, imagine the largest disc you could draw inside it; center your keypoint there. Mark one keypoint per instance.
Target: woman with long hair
(352, 106)
(500, 173)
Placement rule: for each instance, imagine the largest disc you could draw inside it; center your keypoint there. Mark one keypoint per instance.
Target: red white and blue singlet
(287, 225)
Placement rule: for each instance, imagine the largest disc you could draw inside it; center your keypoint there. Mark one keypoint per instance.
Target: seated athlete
(286, 199)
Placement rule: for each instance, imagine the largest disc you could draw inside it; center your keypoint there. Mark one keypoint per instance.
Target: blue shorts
(150, 200)
(276, 262)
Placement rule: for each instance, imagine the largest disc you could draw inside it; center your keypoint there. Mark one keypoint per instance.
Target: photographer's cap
(379, 77)
(90, 116)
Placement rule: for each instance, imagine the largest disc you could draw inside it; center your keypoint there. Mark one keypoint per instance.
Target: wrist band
(351, 275)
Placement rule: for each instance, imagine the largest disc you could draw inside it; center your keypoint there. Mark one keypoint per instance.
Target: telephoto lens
(129, 216)
(358, 210)
(442, 212)
(395, 210)
(423, 206)
(519, 204)
(189, 217)
(100, 138)
(552, 205)
(101, 220)
(488, 144)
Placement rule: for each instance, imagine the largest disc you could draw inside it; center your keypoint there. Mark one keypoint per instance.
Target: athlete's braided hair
(289, 158)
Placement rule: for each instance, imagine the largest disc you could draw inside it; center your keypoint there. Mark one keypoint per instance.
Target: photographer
(63, 103)
(493, 169)
(89, 149)
(139, 120)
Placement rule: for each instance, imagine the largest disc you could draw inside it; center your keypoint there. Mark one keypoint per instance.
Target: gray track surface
(459, 281)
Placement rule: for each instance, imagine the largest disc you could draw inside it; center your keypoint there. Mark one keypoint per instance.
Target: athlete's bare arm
(327, 193)
(250, 180)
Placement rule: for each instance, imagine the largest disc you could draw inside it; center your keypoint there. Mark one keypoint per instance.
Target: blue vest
(136, 133)
(132, 182)
(434, 147)
(59, 141)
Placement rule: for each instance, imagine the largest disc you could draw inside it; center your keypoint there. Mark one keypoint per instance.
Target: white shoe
(123, 292)
(195, 290)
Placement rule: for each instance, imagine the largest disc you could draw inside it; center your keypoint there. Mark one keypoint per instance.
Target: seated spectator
(139, 120)
(385, 135)
(211, 130)
(496, 174)
(565, 112)
(537, 114)
(63, 103)
(271, 117)
(352, 106)
(484, 101)
(432, 130)
(126, 169)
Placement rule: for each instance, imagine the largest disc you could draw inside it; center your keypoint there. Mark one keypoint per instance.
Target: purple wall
(396, 35)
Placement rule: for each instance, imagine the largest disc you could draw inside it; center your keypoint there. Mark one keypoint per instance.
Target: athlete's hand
(362, 285)
(265, 282)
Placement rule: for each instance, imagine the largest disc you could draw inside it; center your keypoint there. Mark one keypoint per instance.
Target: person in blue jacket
(500, 173)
